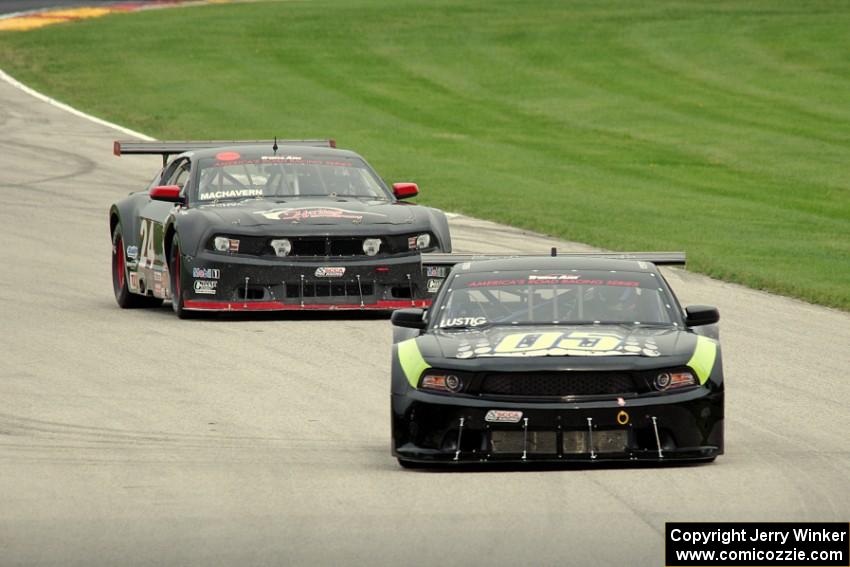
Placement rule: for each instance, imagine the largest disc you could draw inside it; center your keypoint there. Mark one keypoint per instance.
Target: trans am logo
(296, 215)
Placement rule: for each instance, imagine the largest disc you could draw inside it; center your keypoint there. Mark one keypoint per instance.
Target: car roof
(528, 263)
(283, 149)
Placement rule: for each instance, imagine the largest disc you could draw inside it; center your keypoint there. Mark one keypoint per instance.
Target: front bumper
(435, 428)
(217, 282)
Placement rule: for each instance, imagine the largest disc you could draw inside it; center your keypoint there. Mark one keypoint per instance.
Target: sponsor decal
(304, 214)
(622, 283)
(132, 252)
(281, 158)
(556, 343)
(503, 416)
(557, 277)
(229, 193)
(134, 281)
(205, 286)
(435, 271)
(214, 205)
(157, 277)
(496, 283)
(552, 279)
(157, 288)
(206, 273)
(464, 322)
(330, 272)
(434, 285)
(576, 281)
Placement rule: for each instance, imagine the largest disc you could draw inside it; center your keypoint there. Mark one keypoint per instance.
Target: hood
(312, 211)
(576, 343)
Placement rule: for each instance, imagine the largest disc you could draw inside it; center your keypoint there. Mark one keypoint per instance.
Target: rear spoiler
(657, 258)
(166, 149)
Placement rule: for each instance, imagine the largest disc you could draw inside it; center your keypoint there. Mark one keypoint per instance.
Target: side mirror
(410, 318)
(405, 190)
(701, 315)
(167, 193)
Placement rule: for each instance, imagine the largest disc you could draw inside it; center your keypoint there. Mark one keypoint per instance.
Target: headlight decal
(411, 361)
(226, 244)
(702, 361)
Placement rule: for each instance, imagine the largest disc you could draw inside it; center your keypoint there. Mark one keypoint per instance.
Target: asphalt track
(133, 438)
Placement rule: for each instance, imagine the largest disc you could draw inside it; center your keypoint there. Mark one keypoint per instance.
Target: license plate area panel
(603, 441)
(515, 442)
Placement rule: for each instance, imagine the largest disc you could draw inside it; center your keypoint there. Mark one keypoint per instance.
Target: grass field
(720, 128)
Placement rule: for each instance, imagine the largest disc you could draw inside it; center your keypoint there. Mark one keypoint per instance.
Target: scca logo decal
(330, 272)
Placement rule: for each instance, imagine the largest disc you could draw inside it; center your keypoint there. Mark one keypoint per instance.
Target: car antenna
(274, 147)
(554, 251)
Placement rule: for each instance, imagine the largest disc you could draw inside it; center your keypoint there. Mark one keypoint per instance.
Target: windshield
(569, 297)
(230, 175)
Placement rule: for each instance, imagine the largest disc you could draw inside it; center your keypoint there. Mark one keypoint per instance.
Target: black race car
(234, 226)
(567, 358)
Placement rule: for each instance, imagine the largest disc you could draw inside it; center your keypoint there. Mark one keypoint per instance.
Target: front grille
(346, 247)
(320, 246)
(327, 246)
(558, 384)
(308, 247)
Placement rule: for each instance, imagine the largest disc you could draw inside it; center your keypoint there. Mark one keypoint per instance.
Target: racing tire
(125, 298)
(174, 272)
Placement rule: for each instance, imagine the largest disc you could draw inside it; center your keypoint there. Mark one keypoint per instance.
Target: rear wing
(165, 149)
(657, 258)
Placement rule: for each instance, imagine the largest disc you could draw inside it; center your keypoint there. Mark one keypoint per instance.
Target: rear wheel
(174, 271)
(123, 296)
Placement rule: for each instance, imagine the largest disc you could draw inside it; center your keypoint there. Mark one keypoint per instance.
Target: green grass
(721, 128)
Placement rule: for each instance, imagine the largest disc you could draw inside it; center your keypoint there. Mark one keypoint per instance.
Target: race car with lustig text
(571, 358)
(276, 225)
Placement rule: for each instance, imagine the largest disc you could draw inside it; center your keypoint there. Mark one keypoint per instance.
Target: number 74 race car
(236, 226)
(583, 358)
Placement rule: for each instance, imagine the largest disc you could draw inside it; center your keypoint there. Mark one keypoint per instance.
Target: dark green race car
(566, 358)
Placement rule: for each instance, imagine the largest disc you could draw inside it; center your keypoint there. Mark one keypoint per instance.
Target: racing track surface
(132, 438)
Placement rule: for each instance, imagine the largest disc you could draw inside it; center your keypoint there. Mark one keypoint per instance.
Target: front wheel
(174, 271)
(123, 296)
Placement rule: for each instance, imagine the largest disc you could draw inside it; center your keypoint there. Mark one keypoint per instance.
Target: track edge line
(68, 108)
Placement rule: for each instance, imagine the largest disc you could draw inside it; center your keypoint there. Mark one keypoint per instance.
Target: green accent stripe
(411, 361)
(702, 360)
